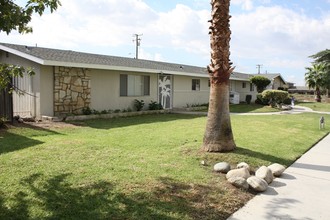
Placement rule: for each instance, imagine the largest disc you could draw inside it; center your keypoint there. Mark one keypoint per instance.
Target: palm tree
(315, 78)
(218, 136)
(324, 57)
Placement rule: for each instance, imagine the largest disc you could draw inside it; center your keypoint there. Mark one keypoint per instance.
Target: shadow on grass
(131, 121)
(55, 198)
(13, 141)
(262, 156)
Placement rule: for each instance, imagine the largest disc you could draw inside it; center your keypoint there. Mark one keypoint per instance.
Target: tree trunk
(218, 135)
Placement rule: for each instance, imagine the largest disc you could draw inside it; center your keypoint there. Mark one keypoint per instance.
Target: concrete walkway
(302, 192)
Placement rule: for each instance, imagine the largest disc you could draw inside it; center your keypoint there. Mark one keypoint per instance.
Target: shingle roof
(68, 56)
(47, 56)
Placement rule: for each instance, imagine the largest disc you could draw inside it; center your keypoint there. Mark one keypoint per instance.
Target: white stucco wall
(183, 94)
(237, 86)
(105, 90)
(47, 91)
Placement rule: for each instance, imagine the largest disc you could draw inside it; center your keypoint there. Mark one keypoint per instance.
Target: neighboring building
(67, 81)
(301, 90)
(276, 79)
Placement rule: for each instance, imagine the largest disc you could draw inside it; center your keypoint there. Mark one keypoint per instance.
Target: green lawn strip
(145, 167)
(316, 106)
(251, 108)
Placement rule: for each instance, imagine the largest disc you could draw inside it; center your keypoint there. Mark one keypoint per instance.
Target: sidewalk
(302, 192)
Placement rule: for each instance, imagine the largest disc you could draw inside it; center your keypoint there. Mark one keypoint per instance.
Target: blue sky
(279, 34)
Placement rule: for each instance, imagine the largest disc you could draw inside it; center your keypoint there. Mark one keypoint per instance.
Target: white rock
(243, 164)
(222, 167)
(257, 184)
(242, 172)
(277, 169)
(239, 182)
(265, 173)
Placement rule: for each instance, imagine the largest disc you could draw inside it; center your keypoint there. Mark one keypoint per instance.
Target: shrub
(104, 112)
(276, 97)
(96, 112)
(138, 104)
(155, 106)
(248, 99)
(287, 101)
(2, 122)
(87, 111)
(261, 101)
(116, 111)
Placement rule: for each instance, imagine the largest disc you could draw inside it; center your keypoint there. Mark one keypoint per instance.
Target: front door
(165, 91)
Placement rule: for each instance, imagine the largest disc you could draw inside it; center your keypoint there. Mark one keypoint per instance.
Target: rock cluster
(241, 177)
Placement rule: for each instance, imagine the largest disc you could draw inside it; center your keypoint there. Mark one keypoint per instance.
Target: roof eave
(22, 54)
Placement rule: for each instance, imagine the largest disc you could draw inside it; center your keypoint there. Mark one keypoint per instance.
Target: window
(244, 85)
(251, 87)
(134, 85)
(196, 85)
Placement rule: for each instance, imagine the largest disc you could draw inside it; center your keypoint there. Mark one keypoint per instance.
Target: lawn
(316, 106)
(248, 108)
(145, 167)
(251, 108)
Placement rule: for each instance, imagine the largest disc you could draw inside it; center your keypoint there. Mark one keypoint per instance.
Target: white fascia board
(239, 79)
(21, 54)
(121, 68)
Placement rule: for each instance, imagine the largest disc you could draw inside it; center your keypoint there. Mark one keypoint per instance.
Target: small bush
(116, 111)
(87, 111)
(138, 104)
(261, 101)
(104, 112)
(2, 122)
(276, 97)
(287, 101)
(248, 99)
(96, 112)
(155, 106)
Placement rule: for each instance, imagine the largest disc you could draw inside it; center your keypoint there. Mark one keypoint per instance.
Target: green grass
(251, 108)
(316, 106)
(145, 167)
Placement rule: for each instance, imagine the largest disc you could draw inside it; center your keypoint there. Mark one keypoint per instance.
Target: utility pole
(137, 41)
(259, 67)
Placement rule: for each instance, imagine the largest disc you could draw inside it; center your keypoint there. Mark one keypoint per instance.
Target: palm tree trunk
(218, 135)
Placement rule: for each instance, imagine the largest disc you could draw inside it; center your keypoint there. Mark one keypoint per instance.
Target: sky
(279, 35)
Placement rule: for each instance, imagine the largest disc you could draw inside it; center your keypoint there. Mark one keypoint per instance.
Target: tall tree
(260, 82)
(15, 17)
(315, 78)
(324, 57)
(218, 136)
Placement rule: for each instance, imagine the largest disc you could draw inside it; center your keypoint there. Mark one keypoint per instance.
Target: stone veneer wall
(72, 91)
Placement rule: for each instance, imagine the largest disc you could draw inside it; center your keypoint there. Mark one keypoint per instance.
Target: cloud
(277, 33)
(278, 37)
(245, 4)
(111, 23)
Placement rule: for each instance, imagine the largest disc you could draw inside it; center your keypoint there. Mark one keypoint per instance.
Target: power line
(259, 67)
(137, 41)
